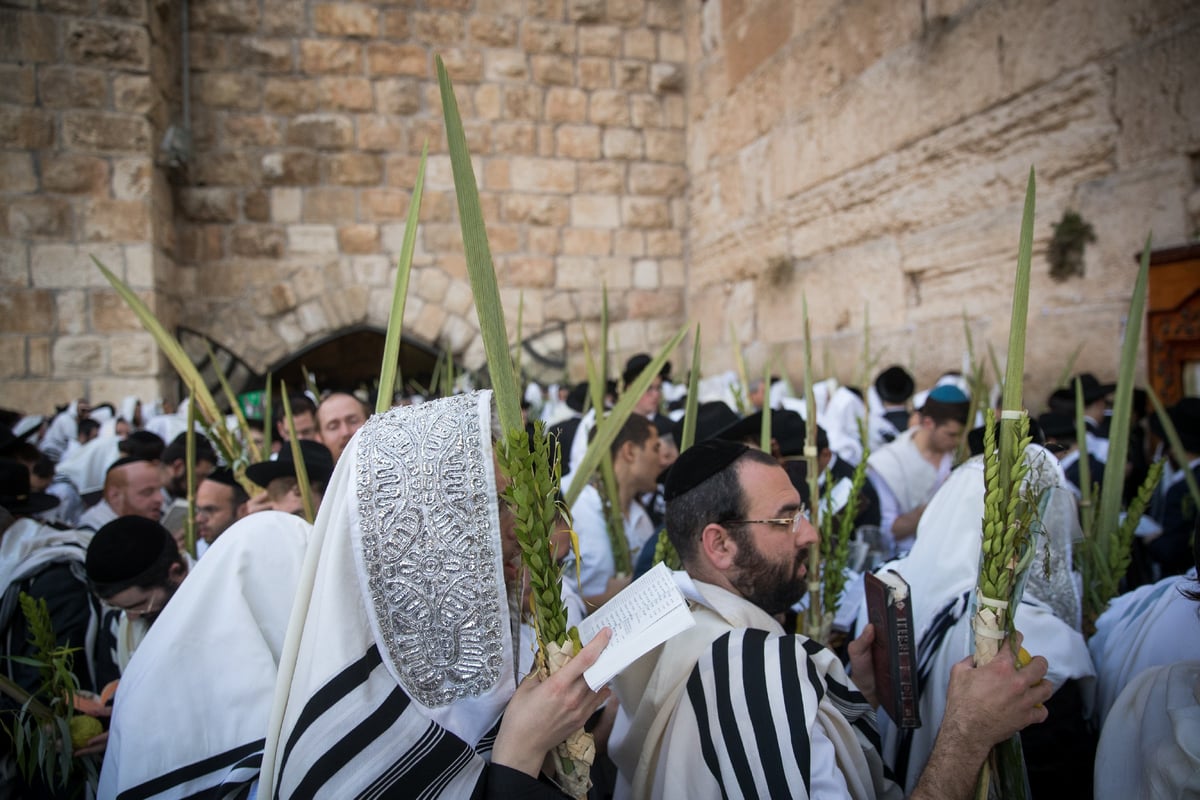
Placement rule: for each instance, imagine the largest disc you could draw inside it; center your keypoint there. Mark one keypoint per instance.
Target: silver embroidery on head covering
(1051, 576)
(429, 547)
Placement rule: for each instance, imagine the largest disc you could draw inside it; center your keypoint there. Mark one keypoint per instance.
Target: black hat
(699, 463)
(577, 397)
(124, 549)
(975, 436)
(318, 463)
(787, 428)
(1057, 426)
(7, 439)
(665, 426)
(15, 495)
(1093, 390)
(895, 385)
(637, 363)
(1185, 416)
(223, 475)
(711, 418)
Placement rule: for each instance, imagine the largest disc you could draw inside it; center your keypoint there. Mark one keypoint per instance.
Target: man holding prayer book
(735, 706)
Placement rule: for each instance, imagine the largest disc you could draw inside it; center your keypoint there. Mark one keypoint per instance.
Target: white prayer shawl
(192, 708)
(942, 570)
(169, 426)
(1150, 747)
(905, 472)
(406, 654)
(62, 431)
(840, 421)
(129, 635)
(88, 465)
(28, 546)
(718, 387)
(97, 516)
(579, 444)
(128, 410)
(1148, 627)
(731, 708)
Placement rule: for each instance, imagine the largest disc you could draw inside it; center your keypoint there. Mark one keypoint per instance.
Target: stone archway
(349, 360)
(269, 313)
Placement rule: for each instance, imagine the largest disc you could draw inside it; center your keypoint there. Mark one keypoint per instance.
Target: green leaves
(389, 371)
(1105, 554)
(533, 474)
(298, 456)
(608, 426)
(480, 270)
(40, 728)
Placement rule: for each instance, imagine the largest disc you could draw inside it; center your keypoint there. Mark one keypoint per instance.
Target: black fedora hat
(1185, 416)
(711, 418)
(318, 463)
(15, 494)
(895, 385)
(1093, 390)
(787, 428)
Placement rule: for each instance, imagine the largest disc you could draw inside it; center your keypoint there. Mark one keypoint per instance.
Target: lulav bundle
(1008, 526)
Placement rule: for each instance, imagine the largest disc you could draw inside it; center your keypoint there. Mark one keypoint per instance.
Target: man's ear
(717, 546)
(176, 573)
(626, 452)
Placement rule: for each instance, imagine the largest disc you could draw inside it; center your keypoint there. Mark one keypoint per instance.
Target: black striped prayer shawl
(728, 709)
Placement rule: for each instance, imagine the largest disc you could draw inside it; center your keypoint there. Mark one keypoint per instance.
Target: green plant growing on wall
(1065, 253)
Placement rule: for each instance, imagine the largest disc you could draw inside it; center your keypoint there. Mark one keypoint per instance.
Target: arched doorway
(350, 360)
(347, 360)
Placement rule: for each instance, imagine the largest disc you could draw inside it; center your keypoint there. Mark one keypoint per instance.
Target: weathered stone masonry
(710, 160)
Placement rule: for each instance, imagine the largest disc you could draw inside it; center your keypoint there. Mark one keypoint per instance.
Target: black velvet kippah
(223, 475)
(124, 549)
(699, 463)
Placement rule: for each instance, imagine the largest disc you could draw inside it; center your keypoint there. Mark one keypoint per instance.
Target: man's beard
(772, 586)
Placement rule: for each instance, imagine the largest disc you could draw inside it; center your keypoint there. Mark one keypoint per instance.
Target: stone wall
(310, 118)
(84, 90)
(709, 160)
(899, 136)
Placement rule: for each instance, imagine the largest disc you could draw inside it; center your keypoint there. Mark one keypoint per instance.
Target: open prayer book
(642, 616)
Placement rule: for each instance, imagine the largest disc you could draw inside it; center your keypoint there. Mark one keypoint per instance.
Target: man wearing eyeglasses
(134, 566)
(738, 707)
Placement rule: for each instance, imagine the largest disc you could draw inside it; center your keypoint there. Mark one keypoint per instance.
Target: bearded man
(735, 706)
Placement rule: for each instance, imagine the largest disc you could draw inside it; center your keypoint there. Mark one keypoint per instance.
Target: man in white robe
(735, 707)
(942, 570)
(907, 472)
(399, 656)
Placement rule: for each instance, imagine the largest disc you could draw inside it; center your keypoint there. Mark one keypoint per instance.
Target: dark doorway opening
(350, 360)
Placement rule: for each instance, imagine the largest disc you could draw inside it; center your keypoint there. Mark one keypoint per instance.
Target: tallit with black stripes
(730, 708)
(406, 656)
(192, 707)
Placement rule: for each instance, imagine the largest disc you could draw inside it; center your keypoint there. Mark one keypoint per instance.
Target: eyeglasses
(138, 610)
(792, 522)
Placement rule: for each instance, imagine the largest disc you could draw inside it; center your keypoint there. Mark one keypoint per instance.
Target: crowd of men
(405, 653)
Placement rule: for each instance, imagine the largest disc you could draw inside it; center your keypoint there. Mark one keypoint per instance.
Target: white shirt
(595, 550)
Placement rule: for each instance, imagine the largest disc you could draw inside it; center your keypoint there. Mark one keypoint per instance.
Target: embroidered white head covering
(426, 539)
(407, 637)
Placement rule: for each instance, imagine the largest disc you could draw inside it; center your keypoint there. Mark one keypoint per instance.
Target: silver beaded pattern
(429, 546)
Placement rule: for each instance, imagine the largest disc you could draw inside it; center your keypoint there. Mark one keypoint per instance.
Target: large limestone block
(80, 355)
(41, 395)
(1157, 96)
(133, 355)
